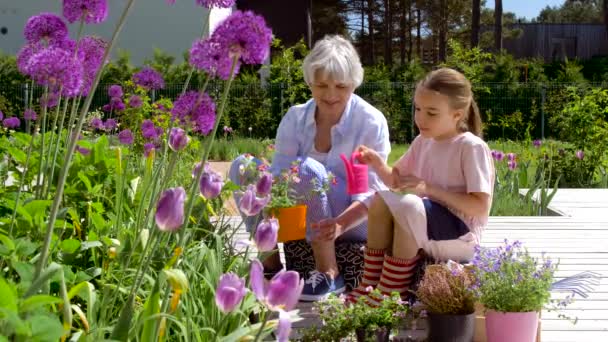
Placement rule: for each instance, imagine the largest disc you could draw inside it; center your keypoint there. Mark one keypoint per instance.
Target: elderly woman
(333, 122)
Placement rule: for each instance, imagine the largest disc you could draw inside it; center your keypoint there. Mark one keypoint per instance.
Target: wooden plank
(574, 336)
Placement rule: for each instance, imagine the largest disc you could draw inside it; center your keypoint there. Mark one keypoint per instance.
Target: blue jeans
(319, 206)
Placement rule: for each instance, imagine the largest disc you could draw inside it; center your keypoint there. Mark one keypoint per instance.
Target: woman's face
(330, 96)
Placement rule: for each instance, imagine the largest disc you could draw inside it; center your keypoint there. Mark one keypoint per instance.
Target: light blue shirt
(360, 124)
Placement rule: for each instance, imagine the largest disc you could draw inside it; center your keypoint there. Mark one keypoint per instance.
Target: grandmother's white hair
(336, 58)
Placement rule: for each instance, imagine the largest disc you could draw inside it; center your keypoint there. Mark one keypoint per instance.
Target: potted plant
(446, 294)
(376, 323)
(513, 286)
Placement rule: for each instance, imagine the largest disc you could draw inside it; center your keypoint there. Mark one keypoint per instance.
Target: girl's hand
(368, 156)
(326, 230)
(410, 183)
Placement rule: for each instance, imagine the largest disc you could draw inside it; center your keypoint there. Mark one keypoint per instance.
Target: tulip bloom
(264, 184)
(537, 143)
(211, 184)
(511, 156)
(580, 154)
(250, 203)
(266, 235)
(230, 291)
(170, 209)
(178, 139)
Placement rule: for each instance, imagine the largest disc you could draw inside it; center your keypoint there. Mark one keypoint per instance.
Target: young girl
(448, 174)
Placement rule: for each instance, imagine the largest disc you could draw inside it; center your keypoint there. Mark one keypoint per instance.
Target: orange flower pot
(292, 222)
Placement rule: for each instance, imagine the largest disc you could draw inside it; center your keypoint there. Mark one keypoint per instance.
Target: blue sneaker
(319, 286)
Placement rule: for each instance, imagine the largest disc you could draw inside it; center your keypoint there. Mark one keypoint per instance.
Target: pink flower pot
(511, 326)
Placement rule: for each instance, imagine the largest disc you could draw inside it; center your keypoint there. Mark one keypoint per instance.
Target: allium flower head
(93, 49)
(56, 67)
(149, 79)
(92, 11)
(125, 137)
(196, 109)
(537, 143)
(24, 55)
(1, 115)
(243, 35)
(50, 100)
(45, 26)
(215, 3)
(12, 122)
(135, 101)
(110, 125)
(30, 114)
(96, 123)
(115, 90)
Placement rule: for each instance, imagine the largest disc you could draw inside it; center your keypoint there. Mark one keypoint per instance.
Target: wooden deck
(579, 240)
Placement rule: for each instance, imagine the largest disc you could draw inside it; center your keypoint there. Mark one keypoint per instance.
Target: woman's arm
(331, 228)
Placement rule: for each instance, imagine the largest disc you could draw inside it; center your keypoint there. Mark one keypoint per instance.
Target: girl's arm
(471, 204)
(373, 160)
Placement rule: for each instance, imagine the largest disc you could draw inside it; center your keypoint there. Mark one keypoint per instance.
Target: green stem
(23, 177)
(30, 101)
(59, 133)
(259, 334)
(72, 147)
(47, 180)
(42, 131)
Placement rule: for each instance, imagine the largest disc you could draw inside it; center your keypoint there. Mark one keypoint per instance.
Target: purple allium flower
(96, 123)
(178, 139)
(170, 209)
(24, 55)
(45, 26)
(170, 2)
(211, 184)
(12, 122)
(110, 125)
(537, 143)
(148, 148)
(115, 90)
(512, 165)
(215, 3)
(50, 100)
(196, 108)
(511, 156)
(264, 184)
(250, 203)
(82, 150)
(243, 35)
(115, 105)
(30, 114)
(149, 79)
(1, 115)
(580, 154)
(135, 101)
(56, 67)
(230, 291)
(93, 49)
(92, 11)
(266, 235)
(149, 131)
(125, 137)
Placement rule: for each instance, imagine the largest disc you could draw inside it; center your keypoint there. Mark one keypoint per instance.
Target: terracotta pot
(511, 326)
(451, 328)
(292, 222)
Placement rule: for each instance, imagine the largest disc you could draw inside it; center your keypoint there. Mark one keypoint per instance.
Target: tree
(475, 20)
(498, 25)
(573, 12)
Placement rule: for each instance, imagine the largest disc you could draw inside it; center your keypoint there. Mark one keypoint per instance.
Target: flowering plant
(447, 289)
(509, 279)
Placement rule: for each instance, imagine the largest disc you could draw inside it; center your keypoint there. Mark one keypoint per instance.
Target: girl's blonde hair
(457, 88)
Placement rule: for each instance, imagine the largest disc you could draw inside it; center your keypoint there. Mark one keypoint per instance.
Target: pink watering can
(356, 175)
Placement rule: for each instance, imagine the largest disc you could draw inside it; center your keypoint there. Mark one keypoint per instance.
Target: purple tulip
(230, 291)
(211, 184)
(178, 139)
(537, 143)
(512, 165)
(257, 280)
(82, 150)
(284, 328)
(30, 114)
(197, 168)
(511, 156)
(125, 137)
(282, 292)
(148, 148)
(264, 184)
(170, 209)
(580, 154)
(498, 155)
(12, 122)
(266, 235)
(250, 204)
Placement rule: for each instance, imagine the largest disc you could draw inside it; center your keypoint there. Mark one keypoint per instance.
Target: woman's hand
(369, 156)
(326, 230)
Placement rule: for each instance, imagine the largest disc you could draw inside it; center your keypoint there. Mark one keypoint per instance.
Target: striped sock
(397, 275)
(372, 269)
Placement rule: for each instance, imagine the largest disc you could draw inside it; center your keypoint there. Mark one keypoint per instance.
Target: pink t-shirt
(461, 164)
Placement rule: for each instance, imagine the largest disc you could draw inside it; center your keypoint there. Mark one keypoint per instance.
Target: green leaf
(25, 271)
(151, 308)
(90, 244)
(85, 180)
(7, 242)
(98, 221)
(86, 291)
(45, 328)
(15, 323)
(17, 154)
(8, 296)
(36, 301)
(70, 246)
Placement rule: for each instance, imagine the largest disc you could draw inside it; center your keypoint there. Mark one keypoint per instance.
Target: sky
(525, 8)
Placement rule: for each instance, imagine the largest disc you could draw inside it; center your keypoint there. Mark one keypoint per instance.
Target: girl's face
(434, 117)
(330, 95)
